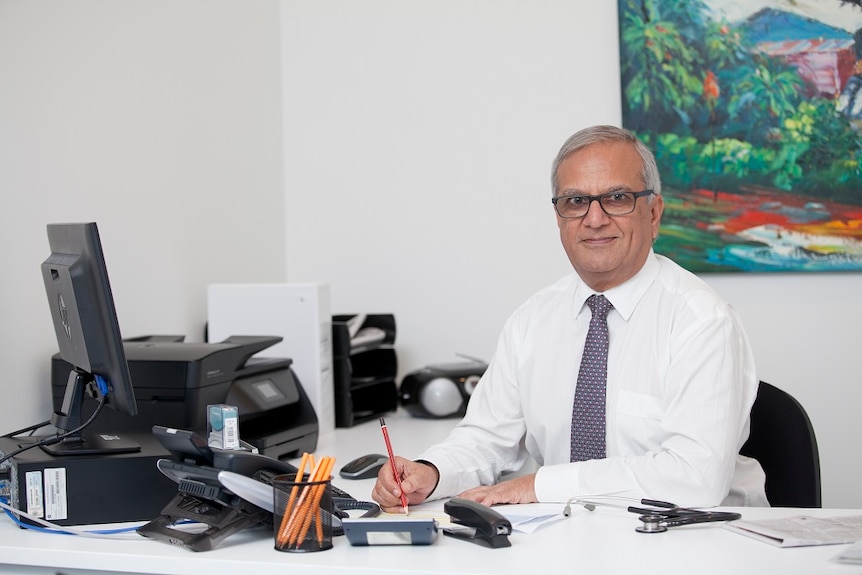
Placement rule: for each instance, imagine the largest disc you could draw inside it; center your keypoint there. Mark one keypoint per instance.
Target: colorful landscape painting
(754, 111)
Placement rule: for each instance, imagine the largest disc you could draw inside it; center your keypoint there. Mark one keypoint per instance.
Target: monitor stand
(93, 444)
(70, 417)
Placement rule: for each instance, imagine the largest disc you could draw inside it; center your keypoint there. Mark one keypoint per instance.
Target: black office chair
(782, 439)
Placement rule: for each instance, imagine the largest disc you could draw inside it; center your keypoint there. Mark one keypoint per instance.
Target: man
(680, 376)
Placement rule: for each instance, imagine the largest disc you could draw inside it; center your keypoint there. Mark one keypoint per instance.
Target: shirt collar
(625, 296)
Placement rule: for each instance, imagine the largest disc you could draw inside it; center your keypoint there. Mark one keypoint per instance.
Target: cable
(53, 528)
(589, 505)
(51, 440)
(471, 358)
(102, 385)
(26, 429)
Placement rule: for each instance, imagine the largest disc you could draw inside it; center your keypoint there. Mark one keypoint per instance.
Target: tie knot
(599, 305)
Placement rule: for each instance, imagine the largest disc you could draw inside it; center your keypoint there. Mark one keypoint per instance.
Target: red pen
(392, 462)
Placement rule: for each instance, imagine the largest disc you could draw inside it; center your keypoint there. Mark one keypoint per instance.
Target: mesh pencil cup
(302, 514)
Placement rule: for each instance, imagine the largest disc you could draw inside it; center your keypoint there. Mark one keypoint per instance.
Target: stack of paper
(801, 530)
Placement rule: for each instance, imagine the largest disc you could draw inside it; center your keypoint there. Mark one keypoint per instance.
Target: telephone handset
(227, 490)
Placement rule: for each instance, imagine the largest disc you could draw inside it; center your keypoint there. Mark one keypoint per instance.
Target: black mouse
(363, 467)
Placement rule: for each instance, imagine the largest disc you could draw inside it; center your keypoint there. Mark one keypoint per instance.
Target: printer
(175, 381)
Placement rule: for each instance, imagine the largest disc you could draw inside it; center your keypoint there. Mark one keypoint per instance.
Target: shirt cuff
(436, 469)
(557, 483)
(447, 477)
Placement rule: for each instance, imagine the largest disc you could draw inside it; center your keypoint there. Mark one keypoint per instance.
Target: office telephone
(204, 498)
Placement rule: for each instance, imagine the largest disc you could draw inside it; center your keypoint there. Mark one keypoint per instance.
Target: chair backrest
(782, 439)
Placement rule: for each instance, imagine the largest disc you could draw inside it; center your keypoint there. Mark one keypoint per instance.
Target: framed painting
(753, 109)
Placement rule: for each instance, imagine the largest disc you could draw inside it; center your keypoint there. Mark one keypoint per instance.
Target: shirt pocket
(639, 405)
(639, 418)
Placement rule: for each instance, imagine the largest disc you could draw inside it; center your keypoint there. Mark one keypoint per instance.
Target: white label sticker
(56, 506)
(231, 433)
(389, 538)
(34, 493)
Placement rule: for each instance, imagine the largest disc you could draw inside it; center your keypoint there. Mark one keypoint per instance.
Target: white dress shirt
(681, 382)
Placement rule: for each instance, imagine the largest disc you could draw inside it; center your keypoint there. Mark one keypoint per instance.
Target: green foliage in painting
(721, 115)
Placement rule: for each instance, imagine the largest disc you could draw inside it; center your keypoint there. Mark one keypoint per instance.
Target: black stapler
(489, 528)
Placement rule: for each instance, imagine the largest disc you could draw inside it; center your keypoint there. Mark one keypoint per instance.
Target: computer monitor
(88, 333)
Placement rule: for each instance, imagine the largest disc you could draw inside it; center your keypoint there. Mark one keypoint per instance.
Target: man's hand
(417, 480)
(519, 490)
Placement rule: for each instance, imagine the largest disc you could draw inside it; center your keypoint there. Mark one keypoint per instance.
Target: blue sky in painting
(830, 12)
(772, 25)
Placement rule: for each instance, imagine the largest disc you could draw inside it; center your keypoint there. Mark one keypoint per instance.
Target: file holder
(364, 369)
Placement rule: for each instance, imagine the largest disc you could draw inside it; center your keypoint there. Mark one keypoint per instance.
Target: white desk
(603, 541)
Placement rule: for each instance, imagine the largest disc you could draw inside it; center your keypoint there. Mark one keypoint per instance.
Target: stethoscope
(659, 515)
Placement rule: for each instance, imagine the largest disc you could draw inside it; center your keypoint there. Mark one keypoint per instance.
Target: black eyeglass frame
(591, 199)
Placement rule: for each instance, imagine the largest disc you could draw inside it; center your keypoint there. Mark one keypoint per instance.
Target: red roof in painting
(789, 47)
(823, 55)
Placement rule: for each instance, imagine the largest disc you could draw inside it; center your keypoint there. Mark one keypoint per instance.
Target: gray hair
(601, 134)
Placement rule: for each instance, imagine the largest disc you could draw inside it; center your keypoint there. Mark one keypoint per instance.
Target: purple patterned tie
(588, 413)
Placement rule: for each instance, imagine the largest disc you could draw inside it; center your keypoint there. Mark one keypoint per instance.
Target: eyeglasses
(613, 203)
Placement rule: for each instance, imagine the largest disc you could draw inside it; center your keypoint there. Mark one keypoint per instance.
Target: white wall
(418, 138)
(804, 329)
(418, 143)
(161, 121)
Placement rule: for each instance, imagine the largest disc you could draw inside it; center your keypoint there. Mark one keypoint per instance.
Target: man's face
(607, 250)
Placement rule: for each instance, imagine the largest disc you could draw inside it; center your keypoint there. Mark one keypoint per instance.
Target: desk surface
(603, 541)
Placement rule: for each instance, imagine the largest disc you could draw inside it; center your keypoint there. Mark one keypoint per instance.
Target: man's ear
(656, 210)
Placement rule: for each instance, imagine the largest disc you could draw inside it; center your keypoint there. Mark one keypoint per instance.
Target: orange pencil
(282, 530)
(312, 507)
(318, 515)
(302, 507)
(321, 492)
